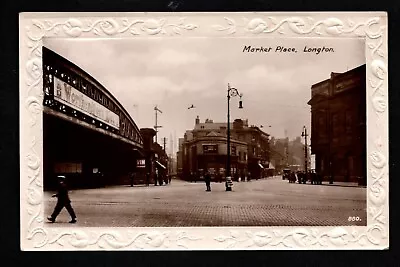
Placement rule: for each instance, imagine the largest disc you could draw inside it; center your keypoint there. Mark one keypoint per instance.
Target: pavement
(265, 202)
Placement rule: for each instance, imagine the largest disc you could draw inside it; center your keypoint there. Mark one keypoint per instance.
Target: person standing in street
(147, 179)
(207, 179)
(62, 201)
(132, 177)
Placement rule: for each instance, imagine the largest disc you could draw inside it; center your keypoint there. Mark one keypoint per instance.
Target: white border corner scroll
(370, 26)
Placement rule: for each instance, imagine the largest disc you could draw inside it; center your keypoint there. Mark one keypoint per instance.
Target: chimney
(238, 124)
(197, 121)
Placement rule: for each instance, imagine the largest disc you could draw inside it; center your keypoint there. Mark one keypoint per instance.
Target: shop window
(67, 167)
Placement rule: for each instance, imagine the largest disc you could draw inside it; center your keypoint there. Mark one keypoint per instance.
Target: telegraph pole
(165, 141)
(157, 126)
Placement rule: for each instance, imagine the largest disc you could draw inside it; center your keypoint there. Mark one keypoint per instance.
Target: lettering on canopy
(71, 97)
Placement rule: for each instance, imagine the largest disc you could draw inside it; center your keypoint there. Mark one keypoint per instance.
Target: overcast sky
(175, 73)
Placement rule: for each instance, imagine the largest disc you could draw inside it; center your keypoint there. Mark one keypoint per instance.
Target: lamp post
(232, 92)
(304, 134)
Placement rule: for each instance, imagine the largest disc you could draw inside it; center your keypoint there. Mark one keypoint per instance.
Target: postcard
(204, 131)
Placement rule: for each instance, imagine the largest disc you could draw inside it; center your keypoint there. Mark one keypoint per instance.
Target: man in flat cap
(62, 201)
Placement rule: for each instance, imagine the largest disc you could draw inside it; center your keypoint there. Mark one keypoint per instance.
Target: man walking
(62, 201)
(207, 179)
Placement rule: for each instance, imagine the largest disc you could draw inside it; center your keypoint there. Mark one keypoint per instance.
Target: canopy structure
(159, 164)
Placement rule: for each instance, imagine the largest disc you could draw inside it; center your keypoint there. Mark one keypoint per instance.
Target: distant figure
(319, 178)
(170, 178)
(292, 177)
(132, 176)
(62, 201)
(299, 177)
(242, 177)
(147, 179)
(160, 179)
(207, 179)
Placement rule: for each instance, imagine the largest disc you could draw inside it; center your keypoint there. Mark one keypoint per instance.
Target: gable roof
(213, 133)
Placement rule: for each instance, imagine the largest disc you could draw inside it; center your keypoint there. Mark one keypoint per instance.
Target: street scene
(266, 202)
(201, 132)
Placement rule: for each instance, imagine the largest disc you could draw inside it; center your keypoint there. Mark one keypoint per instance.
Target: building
(338, 126)
(285, 153)
(155, 161)
(88, 136)
(205, 148)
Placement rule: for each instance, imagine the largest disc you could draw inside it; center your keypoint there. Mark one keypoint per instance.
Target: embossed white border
(35, 26)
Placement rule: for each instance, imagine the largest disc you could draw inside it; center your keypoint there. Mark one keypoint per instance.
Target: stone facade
(338, 122)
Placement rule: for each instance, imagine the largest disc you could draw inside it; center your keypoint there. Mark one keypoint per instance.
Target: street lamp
(232, 92)
(304, 134)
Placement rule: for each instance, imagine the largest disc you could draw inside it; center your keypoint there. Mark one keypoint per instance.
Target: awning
(159, 164)
(261, 166)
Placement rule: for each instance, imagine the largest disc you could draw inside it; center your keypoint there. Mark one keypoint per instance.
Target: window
(67, 167)
(233, 151)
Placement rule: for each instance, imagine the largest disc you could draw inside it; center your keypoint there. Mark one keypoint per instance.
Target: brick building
(205, 148)
(338, 126)
(155, 160)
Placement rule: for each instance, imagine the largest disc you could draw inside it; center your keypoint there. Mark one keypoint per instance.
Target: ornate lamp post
(232, 92)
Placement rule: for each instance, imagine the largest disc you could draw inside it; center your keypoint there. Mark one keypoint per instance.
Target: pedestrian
(207, 179)
(170, 178)
(237, 177)
(293, 177)
(62, 201)
(132, 176)
(147, 179)
(319, 178)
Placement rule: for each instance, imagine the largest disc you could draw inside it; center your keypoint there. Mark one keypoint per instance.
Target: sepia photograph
(204, 132)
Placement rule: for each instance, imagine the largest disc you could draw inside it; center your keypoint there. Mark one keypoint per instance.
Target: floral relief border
(35, 27)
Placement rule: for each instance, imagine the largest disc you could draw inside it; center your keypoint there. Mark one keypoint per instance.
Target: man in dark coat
(62, 201)
(207, 179)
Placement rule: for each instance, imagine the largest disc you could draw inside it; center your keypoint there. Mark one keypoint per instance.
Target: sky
(174, 73)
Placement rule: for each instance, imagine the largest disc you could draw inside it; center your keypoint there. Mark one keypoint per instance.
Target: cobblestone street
(266, 202)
